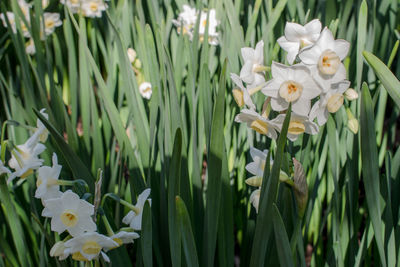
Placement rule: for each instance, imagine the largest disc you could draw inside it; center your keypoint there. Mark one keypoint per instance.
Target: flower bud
(254, 181)
(131, 55)
(300, 187)
(352, 122)
(238, 96)
(138, 64)
(351, 94)
(335, 102)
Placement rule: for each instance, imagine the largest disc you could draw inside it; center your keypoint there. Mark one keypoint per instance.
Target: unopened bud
(255, 199)
(131, 55)
(254, 181)
(138, 64)
(231, 160)
(335, 102)
(352, 122)
(351, 94)
(300, 187)
(238, 96)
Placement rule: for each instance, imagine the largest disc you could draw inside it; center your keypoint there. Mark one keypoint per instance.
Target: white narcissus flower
(242, 94)
(134, 217)
(252, 70)
(30, 48)
(88, 246)
(124, 238)
(74, 5)
(44, 133)
(70, 213)
(298, 37)
(212, 26)
(298, 124)
(24, 159)
(11, 19)
(326, 56)
(51, 21)
(47, 178)
(145, 90)
(257, 122)
(291, 84)
(186, 20)
(329, 102)
(93, 8)
(59, 250)
(255, 198)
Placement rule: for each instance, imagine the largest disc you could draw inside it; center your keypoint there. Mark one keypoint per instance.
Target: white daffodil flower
(73, 5)
(24, 159)
(88, 246)
(93, 8)
(30, 48)
(291, 84)
(134, 217)
(51, 21)
(123, 238)
(255, 198)
(257, 122)
(212, 26)
(70, 213)
(241, 94)
(329, 102)
(326, 54)
(186, 20)
(44, 133)
(3, 169)
(298, 124)
(145, 90)
(59, 250)
(298, 37)
(47, 178)
(253, 68)
(11, 19)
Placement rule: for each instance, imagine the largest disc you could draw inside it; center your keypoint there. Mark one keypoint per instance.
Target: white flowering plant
(199, 133)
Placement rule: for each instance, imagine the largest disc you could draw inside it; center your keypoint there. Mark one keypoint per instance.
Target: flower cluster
(66, 210)
(187, 19)
(145, 88)
(88, 8)
(316, 75)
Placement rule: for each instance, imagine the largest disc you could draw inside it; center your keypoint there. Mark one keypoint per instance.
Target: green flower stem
(110, 231)
(66, 182)
(129, 205)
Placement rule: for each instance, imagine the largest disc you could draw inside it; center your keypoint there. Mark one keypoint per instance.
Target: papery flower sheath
(298, 37)
(291, 84)
(70, 213)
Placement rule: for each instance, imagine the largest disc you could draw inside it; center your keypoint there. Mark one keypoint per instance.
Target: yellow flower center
(49, 23)
(78, 256)
(238, 96)
(260, 126)
(69, 218)
(94, 6)
(296, 127)
(328, 62)
(335, 102)
(91, 247)
(290, 91)
(118, 240)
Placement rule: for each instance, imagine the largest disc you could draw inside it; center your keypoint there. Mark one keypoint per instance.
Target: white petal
(294, 31)
(341, 48)
(247, 53)
(302, 106)
(310, 56)
(279, 104)
(246, 73)
(313, 29)
(322, 117)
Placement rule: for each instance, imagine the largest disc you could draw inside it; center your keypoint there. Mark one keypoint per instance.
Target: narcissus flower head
(70, 213)
(257, 122)
(252, 70)
(46, 182)
(93, 8)
(59, 250)
(145, 90)
(89, 246)
(298, 37)
(123, 237)
(298, 125)
(134, 217)
(51, 21)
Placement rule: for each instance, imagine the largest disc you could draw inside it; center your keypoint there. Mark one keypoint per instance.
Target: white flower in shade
(70, 213)
(88, 246)
(43, 132)
(145, 90)
(30, 48)
(25, 8)
(93, 8)
(241, 93)
(252, 70)
(3, 169)
(326, 56)
(212, 26)
(51, 21)
(123, 237)
(298, 37)
(59, 250)
(298, 125)
(24, 159)
(330, 102)
(134, 217)
(11, 19)
(255, 198)
(47, 178)
(291, 84)
(257, 122)
(45, 4)
(74, 5)
(186, 20)
(131, 55)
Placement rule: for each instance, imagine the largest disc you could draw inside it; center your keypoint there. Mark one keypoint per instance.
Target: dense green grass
(184, 144)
